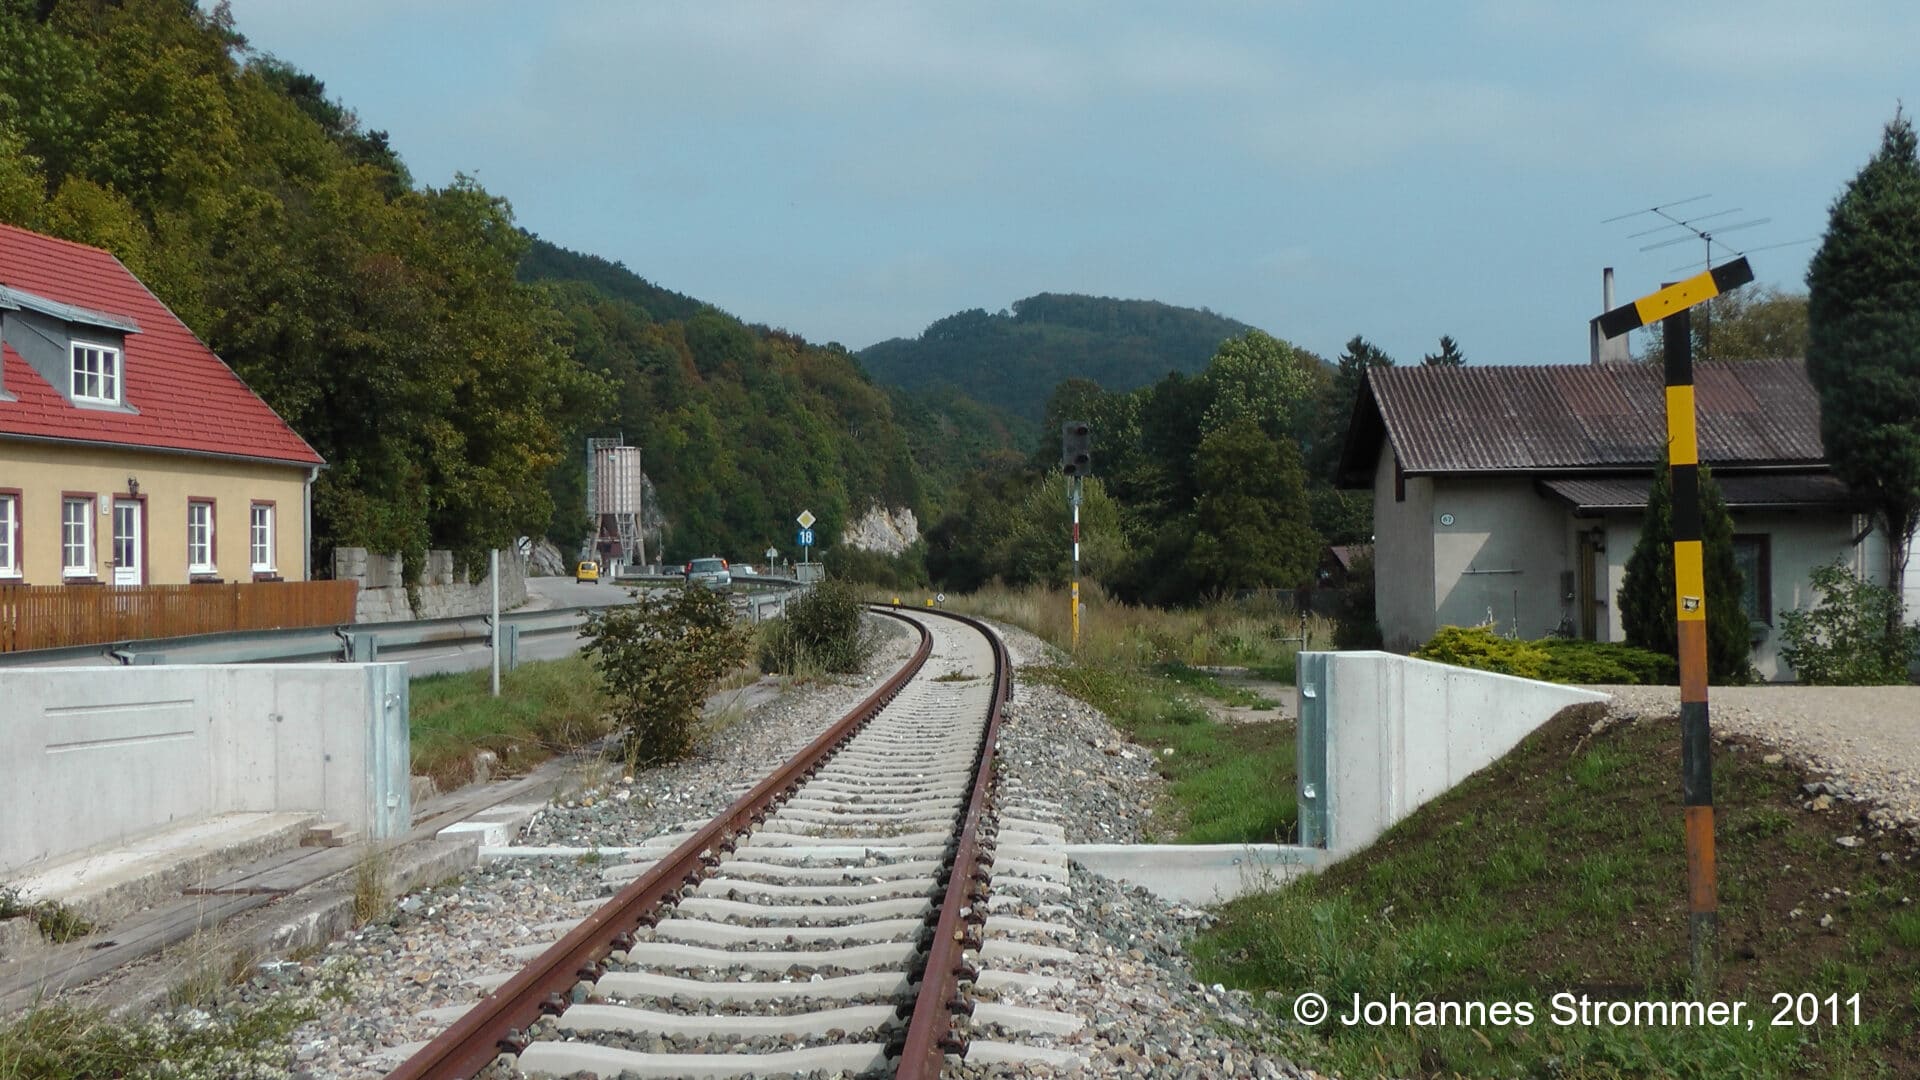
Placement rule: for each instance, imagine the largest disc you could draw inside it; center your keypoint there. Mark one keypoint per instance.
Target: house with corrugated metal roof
(1514, 495)
(130, 454)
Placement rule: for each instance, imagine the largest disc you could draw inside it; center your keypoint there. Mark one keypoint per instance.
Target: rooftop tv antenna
(1702, 227)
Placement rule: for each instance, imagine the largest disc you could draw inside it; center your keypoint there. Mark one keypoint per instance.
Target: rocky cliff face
(545, 560)
(889, 532)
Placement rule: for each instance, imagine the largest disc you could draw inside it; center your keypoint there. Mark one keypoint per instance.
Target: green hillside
(742, 426)
(1015, 358)
(447, 365)
(550, 262)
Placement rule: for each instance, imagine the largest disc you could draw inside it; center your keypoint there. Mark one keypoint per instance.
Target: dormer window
(96, 373)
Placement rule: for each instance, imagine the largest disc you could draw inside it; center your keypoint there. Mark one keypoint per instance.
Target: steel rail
(930, 1033)
(499, 1022)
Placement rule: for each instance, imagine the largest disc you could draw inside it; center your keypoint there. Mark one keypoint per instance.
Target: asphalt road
(556, 592)
(542, 593)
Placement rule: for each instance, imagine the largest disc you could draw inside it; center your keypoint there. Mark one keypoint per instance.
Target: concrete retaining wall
(1381, 734)
(444, 592)
(97, 756)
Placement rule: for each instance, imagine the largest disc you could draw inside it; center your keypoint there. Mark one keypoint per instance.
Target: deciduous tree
(1756, 322)
(1251, 522)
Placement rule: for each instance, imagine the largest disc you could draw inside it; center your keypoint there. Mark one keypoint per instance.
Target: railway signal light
(1076, 448)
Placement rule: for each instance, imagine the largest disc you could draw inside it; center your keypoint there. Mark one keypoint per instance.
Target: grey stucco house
(1515, 494)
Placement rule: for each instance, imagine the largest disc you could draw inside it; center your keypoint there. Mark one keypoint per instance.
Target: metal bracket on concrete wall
(1313, 670)
(389, 764)
(361, 648)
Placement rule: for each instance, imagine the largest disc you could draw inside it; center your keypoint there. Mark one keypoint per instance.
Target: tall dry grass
(1258, 632)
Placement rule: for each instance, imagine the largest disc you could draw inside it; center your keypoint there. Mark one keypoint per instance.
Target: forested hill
(1015, 358)
(550, 262)
(741, 426)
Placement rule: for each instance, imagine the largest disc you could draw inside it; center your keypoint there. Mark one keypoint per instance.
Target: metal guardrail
(362, 642)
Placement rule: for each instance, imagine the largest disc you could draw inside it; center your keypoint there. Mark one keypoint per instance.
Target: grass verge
(1229, 783)
(65, 1042)
(1561, 869)
(545, 707)
(1253, 633)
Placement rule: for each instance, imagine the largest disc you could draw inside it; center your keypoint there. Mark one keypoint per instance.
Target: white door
(127, 542)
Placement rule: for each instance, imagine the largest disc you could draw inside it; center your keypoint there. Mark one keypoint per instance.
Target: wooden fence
(56, 616)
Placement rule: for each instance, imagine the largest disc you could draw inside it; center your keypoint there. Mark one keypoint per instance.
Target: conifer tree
(1863, 341)
(1448, 356)
(1647, 610)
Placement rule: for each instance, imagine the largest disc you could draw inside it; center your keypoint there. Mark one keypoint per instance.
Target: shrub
(1845, 640)
(821, 631)
(1479, 647)
(1552, 659)
(905, 571)
(1574, 661)
(659, 657)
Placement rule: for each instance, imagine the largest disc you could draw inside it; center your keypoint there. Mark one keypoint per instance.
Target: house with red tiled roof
(1514, 495)
(130, 454)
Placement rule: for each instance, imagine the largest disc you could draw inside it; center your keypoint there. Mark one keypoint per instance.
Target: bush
(1574, 661)
(659, 657)
(905, 571)
(821, 631)
(1479, 647)
(1844, 640)
(1551, 659)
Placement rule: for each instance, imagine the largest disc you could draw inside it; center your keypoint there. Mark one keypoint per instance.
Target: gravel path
(1865, 736)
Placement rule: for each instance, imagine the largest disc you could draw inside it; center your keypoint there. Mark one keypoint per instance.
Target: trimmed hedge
(1559, 660)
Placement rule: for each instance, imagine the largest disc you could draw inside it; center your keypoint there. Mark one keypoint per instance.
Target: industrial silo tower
(615, 490)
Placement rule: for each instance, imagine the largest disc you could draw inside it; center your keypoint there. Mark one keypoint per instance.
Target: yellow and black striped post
(1670, 307)
(1690, 612)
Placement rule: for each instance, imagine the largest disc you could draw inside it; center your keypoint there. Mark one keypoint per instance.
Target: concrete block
(175, 745)
(106, 886)
(485, 834)
(1399, 731)
(1198, 873)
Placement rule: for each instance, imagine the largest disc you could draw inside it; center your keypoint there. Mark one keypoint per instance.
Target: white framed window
(96, 373)
(199, 537)
(9, 536)
(76, 536)
(261, 544)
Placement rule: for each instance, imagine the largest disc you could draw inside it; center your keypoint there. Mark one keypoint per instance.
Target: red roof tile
(184, 397)
(1578, 417)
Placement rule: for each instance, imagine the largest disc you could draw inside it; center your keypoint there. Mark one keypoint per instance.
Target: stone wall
(444, 593)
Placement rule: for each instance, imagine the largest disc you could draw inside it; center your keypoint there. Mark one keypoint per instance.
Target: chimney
(1601, 350)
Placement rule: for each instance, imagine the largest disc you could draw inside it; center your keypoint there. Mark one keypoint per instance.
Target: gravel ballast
(1144, 1013)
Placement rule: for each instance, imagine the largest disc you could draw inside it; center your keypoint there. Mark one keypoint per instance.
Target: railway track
(851, 914)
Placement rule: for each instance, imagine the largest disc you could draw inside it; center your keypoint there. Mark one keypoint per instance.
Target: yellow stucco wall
(43, 473)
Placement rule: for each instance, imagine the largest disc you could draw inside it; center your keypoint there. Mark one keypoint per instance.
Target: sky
(853, 171)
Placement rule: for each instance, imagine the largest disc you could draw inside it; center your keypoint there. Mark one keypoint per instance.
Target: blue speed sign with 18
(806, 538)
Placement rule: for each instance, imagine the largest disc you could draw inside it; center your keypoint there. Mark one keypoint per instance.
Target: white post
(493, 574)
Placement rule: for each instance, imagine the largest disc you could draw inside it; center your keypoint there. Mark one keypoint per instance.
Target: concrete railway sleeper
(832, 921)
